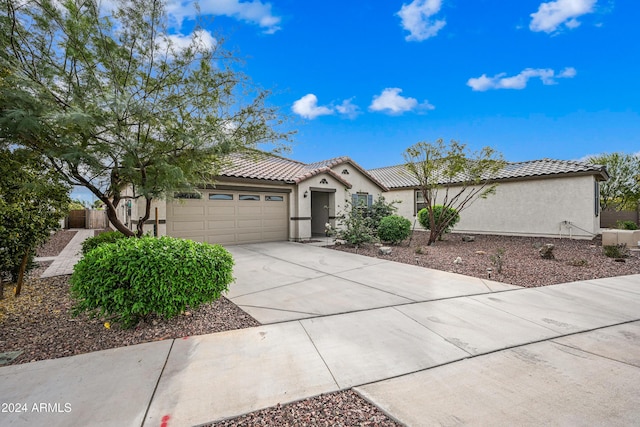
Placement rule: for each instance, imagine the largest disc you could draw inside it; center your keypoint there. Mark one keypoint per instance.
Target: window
(187, 195)
(419, 202)
(597, 197)
(362, 200)
(249, 197)
(274, 198)
(219, 196)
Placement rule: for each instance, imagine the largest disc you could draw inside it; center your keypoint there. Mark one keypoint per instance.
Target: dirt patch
(343, 408)
(522, 264)
(39, 323)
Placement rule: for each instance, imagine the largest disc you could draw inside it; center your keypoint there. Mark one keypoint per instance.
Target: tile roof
(266, 166)
(398, 177)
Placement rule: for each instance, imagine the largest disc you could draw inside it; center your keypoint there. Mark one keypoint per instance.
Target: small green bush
(440, 214)
(394, 229)
(133, 278)
(106, 237)
(616, 251)
(626, 225)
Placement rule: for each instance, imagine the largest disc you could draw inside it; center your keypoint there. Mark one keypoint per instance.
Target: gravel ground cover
(521, 262)
(40, 324)
(343, 408)
(56, 243)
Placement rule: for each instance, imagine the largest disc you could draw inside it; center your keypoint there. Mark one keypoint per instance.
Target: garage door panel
(188, 226)
(249, 210)
(273, 223)
(188, 210)
(250, 223)
(230, 221)
(217, 211)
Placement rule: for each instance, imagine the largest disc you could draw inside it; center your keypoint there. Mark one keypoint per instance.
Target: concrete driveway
(428, 347)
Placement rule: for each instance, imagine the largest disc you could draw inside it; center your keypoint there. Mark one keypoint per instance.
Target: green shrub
(106, 237)
(440, 214)
(354, 225)
(394, 229)
(616, 251)
(380, 209)
(626, 225)
(133, 278)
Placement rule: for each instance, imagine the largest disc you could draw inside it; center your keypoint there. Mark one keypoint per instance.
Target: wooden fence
(87, 218)
(608, 219)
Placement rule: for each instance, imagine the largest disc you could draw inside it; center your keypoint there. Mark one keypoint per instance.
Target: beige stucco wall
(535, 207)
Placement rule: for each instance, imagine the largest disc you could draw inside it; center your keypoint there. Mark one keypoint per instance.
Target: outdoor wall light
(306, 193)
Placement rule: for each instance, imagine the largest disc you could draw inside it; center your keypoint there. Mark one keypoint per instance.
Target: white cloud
(390, 101)
(254, 12)
(519, 81)
(201, 39)
(416, 18)
(307, 107)
(347, 108)
(553, 14)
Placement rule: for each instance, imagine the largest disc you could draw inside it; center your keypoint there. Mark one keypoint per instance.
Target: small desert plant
(497, 259)
(132, 278)
(355, 227)
(616, 251)
(100, 239)
(419, 250)
(394, 229)
(578, 262)
(626, 225)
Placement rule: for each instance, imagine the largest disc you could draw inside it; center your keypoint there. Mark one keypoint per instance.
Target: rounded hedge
(439, 212)
(133, 278)
(106, 237)
(394, 229)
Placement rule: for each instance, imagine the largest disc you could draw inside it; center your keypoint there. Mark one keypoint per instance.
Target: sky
(532, 79)
(367, 79)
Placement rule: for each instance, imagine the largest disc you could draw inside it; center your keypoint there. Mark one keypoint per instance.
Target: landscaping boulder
(546, 251)
(466, 238)
(384, 250)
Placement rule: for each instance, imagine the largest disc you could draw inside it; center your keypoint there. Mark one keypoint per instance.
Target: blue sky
(530, 78)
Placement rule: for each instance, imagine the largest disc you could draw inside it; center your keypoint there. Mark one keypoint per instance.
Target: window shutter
(369, 200)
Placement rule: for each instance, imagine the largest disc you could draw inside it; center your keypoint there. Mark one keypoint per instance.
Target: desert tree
(116, 102)
(452, 176)
(622, 190)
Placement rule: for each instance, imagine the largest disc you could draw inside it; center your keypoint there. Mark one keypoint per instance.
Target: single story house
(545, 198)
(263, 197)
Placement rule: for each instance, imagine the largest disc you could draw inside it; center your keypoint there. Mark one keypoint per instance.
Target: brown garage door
(230, 217)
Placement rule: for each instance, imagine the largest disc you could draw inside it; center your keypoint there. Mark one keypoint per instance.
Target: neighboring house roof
(399, 177)
(266, 166)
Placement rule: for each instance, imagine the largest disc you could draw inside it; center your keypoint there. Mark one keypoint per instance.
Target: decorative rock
(384, 250)
(546, 251)
(378, 245)
(468, 238)
(340, 242)
(457, 261)
(481, 253)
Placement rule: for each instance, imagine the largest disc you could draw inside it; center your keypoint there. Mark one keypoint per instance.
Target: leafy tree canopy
(452, 176)
(114, 102)
(622, 190)
(32, 203)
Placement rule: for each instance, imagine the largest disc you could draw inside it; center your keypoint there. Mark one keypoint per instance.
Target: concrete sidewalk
(68, 257)
(427, 347)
